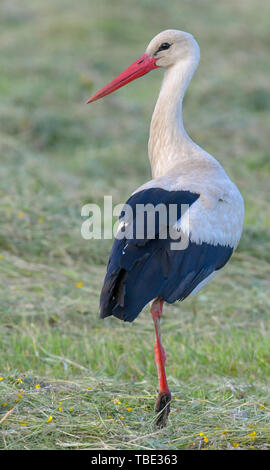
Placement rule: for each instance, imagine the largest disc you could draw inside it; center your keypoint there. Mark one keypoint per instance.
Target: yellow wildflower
(79, 284)
(60, 409)
(37, 386)
(49, 419)
(201, 434)
(117, 401)
(70, 409)
(20, 214)
(19, 395)
(129, 409)
(205, 439)
(235, 444)
(20, 380)
(122, 417)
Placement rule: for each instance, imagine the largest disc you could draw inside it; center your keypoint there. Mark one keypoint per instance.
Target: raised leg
(164, 397)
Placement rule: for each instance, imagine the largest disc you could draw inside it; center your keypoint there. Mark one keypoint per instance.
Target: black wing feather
(140, 270)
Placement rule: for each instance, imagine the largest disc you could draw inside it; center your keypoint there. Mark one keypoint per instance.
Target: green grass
(58, 154)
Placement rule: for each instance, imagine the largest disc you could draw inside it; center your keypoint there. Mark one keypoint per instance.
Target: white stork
(145, 268)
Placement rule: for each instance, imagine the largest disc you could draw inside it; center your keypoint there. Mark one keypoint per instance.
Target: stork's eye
(163, 47)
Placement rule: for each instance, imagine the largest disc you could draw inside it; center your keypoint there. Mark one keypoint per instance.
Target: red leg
(164, 397)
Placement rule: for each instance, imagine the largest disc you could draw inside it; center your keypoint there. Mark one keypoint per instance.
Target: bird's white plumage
(217, 216)
(180, 164)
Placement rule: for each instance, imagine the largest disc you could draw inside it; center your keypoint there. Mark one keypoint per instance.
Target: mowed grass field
(68, 379)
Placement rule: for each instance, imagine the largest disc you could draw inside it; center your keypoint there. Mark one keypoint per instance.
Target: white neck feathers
(169, 143)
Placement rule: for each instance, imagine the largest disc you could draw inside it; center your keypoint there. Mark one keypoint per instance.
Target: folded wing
(144, 266)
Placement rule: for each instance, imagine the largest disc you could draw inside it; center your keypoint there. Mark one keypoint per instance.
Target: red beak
(136, 70)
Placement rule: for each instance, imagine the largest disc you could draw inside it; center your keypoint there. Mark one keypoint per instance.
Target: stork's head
(168, 48)
(171, 47)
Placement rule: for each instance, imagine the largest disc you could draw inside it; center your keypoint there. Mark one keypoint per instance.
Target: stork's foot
(163, 409)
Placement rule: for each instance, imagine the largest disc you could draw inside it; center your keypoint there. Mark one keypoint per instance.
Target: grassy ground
(97, 379)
